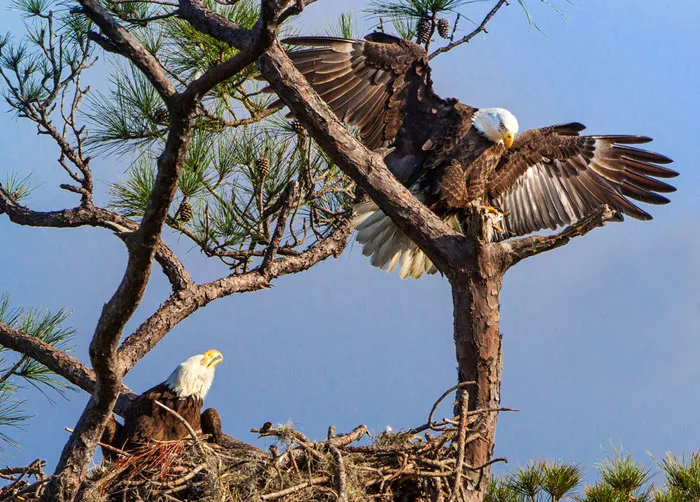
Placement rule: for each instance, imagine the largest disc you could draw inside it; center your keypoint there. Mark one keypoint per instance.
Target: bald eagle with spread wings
(453, 156)
(183, 392)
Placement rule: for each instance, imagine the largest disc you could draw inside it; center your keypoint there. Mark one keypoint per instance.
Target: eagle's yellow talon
(492, 210)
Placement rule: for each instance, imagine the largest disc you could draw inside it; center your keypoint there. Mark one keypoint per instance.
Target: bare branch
(58, 361)
(479, 29)
(526, 247)
(128, 45)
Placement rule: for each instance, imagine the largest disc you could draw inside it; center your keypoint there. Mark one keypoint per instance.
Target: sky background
(600, 338)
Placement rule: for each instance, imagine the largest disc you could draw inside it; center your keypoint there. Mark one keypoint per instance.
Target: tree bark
(476, 288)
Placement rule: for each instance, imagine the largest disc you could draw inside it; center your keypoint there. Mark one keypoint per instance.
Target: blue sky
(600, 338)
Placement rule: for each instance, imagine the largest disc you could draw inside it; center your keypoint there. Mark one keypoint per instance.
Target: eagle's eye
(501, 126)
(203, 362)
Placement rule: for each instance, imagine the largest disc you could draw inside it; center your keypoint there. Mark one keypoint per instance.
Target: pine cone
(443, 27)
(184, 214)
(423, 31)
(161, 116)
(263, 165)
(298, 128)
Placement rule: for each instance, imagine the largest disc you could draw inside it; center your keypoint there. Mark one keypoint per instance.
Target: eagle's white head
(497, 124)
(194, 376)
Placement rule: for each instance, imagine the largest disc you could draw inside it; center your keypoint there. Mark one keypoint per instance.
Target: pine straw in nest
(421, 464)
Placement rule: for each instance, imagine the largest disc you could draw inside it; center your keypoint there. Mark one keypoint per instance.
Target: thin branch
(449, 391)
(106, 446)
(130, 46)
(13, 369)
(479, 29)
(143, 21)
(519, 249)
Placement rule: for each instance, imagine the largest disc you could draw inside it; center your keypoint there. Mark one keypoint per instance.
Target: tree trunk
(476, 292)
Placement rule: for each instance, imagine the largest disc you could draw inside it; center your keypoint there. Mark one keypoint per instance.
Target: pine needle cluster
(19, 371)
(620, 479)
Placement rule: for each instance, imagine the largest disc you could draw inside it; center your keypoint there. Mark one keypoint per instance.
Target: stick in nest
(431, 424)
(342, 480)
(461, 443)
(106, 446)
(184, 422)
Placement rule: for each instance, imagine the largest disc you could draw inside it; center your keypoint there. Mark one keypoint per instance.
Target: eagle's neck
(184, 382)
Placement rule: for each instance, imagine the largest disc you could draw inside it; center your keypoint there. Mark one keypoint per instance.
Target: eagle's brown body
(146, 421)
(548, 178)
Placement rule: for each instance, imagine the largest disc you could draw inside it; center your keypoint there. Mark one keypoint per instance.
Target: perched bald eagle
(453, 156)
(183, 392)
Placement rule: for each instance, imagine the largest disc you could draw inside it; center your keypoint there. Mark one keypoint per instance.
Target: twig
(106, 446)
(293, 489)
(184, 422)
(11, 372)
(481, 468)
(467, 38)
(431, 424)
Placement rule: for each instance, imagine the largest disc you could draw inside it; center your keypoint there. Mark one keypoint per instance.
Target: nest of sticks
(426, 463)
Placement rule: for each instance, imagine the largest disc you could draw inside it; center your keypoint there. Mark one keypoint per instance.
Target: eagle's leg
(111, 437)
(494, 216)
(490, 209)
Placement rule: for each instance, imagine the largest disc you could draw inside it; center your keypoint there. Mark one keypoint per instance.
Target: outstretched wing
(380, 84)
(553, 176)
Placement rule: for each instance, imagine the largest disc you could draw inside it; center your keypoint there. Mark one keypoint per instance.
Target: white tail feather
(388, 245)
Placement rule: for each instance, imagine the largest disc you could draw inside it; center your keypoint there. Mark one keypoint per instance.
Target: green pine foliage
(17, 371)
(234, 203)
(682, 479)
(625, 477)
(620, 479)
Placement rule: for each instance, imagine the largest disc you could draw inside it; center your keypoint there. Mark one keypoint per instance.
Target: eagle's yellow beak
(508, 139)
(212, 358)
